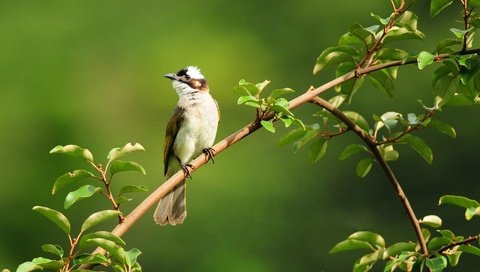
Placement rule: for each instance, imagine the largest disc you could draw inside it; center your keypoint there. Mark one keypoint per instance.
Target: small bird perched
(190, 131)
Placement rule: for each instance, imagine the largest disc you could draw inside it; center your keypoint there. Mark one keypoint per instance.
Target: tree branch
(372, 145)
(168, 185)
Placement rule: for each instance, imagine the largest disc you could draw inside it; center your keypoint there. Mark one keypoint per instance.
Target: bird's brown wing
(172, 129)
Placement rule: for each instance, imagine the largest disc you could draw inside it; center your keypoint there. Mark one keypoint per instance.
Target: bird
(191, 130)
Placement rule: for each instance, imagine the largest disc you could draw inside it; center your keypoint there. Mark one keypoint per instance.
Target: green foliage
(118, 258)
(270, 108)
(445, 249)
(364, 52)
(472, 207)
(360, 52)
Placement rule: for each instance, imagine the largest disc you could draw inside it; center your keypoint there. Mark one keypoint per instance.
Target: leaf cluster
(445, 247)
(249, 95)
(76, 257)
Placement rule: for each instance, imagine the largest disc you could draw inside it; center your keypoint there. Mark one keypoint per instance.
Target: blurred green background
(90, 73)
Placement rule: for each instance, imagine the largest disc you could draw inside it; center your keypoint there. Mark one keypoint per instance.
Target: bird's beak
(171, 76)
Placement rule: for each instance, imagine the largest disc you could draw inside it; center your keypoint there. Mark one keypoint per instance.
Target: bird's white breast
(199, 126)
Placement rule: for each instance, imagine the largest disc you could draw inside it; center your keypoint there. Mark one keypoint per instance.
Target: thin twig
(372, 145)
(465, 241)
(408, 129)
(466, 15)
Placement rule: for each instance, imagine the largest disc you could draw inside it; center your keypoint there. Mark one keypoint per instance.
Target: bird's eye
(182, 72)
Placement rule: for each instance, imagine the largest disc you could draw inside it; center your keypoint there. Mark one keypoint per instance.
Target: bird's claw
(186, 171)
(210, 153)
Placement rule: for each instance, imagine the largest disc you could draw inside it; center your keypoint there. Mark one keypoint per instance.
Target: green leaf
(287, 121)
(398, 248)
(444, 46)
(281, 109)
(436, 264)
(391, 54)
(333, 56)
(368, 260)
(459, 33)
(412, 119)
(268, 125)
(98, 217)
(389, 154)
(351, 86)
(469, 249)
(426, 234)
(53, 249)
(401, 33)
(121, 166)
(28, 266)
(83, 192)
(424, 59)
(453, 258)
(337, 100)
(318, 149)
(70, 178)
(121, 151)
(382, 81)
(408, 20)
(420, 146)
(363, 167)
(132, 256)
(432, 221)
(55, 216)
(365, 35)
(132, 189)
(241, 91)
(47, 263)
(115, 250)
(309, 136)
(246, 89)
(96, 258)
(369, 237)
(383, 21)
(84, 243)
(437, 6)
(350, 244)
(291, 136)
(442, 127)
(390, 119)
(252, 88)
(447, 233)
(279, 92)
(444, 81)
(459, 201)
(122, 199)
(472, 206)
(351, 150)
(248, 98)
(358, 120)
(74, 151)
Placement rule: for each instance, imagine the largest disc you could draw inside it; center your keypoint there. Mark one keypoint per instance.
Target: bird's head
(188, 80)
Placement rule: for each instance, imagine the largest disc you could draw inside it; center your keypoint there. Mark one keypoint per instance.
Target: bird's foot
(185, 169)
(210, 153)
